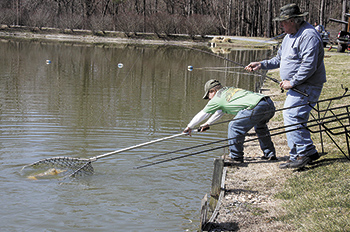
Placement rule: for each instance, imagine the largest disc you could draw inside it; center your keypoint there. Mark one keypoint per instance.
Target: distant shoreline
(114, 37)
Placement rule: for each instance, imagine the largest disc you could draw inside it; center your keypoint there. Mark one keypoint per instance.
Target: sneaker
(269, 158)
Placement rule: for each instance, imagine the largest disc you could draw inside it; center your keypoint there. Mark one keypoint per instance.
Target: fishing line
(131, 68)
(241, 65)
(217, 68)
(232, 72)
(281, 35)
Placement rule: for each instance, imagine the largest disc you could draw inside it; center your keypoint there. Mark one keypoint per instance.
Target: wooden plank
(216, 183)
(217, 177)
(204, 212)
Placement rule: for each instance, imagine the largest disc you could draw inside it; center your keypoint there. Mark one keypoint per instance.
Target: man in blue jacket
(300, 59)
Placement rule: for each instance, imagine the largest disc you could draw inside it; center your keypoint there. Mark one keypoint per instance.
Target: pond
(82, 101)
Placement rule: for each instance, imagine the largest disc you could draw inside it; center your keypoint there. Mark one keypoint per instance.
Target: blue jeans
(247, 119)
(299, 141)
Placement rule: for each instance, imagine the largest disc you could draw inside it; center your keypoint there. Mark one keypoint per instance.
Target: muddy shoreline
(114, 38)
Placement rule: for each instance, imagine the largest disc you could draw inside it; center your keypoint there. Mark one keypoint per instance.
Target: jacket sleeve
(216, 116)
(198, 118)
(274, 62)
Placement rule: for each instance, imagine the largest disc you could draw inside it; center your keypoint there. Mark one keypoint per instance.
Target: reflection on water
(84, 104)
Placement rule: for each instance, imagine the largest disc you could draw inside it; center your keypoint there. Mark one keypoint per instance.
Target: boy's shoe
(233, 160)
(269, 158)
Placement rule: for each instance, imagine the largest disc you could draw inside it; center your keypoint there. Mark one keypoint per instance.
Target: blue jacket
(300, 58)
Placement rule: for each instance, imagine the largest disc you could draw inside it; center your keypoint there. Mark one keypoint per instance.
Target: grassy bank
(317, 198)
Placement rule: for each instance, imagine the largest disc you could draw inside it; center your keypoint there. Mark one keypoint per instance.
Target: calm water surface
(83, 105)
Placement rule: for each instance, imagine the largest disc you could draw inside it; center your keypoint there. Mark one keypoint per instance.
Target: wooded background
(193, 17)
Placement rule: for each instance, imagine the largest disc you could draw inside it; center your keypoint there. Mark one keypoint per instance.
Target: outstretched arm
(195, 120)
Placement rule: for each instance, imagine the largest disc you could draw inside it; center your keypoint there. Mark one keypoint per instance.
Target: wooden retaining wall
(217, 192)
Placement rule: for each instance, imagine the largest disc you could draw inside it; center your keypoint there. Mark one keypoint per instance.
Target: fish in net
(62, 167)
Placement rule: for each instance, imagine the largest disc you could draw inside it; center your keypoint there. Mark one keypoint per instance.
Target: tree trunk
(269, 19)
(343, 18)
(322, 21)
(229, 17)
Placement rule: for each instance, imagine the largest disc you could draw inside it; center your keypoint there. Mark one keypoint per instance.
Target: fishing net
(74, 167)
(63, 167)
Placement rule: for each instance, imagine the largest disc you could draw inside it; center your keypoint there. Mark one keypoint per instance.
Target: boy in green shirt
(250, 110)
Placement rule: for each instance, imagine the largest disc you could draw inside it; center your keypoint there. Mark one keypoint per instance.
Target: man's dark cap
(289, 11)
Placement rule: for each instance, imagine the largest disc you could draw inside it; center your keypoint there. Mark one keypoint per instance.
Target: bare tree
(226, 17)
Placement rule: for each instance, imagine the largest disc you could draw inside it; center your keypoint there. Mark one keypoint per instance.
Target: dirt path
(249, 203)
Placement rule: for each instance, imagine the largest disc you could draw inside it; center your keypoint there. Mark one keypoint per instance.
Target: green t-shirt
(231, 100)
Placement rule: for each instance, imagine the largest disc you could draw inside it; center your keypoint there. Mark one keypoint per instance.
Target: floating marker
(48, 61)
(190, 68)
(120, 65)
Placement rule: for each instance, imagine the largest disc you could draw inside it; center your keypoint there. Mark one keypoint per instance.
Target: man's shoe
(315, 156)
(269, 158)
(300, 162)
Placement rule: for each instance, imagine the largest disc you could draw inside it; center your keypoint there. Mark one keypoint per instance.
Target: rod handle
(299, 91)
(200, 128)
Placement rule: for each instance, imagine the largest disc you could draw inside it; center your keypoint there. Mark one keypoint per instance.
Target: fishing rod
(287, 108)
(199, 152)
(241, 65)
(334, 118)
(247, 134)
(199, 129)
(317, 120)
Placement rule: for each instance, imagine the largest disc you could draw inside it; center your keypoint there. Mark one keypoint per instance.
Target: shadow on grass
(322, 163)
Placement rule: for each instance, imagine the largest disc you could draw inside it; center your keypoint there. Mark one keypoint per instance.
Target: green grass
(317, 198)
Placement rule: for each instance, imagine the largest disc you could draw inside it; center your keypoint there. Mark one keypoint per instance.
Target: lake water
(82, 105)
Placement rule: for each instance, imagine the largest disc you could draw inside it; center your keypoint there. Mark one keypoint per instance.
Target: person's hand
(204, 127)
(188, 131)
(253, 66)
(285, 85)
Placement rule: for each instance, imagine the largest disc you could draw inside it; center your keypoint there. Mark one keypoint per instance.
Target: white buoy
(120, 65)
(48, 61)
(190, 68)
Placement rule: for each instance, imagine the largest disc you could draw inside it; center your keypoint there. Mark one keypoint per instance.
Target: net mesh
(73, 167)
